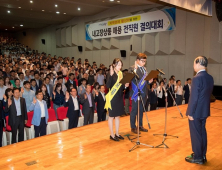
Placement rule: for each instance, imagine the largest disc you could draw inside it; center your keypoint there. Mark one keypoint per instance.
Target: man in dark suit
(187, 89)
(49, 86)
(170, 92)
(71, 82)
(37, 79)
(140, 70)
(199, 109)
(153, 97)
(101, 100)
(34, 86)
(73, 113)
(16, 108)
(88, 105)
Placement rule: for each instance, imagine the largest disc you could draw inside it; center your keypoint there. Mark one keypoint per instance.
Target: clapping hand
(151, 80)
(34, 100)
(9, 102)
(127, 85)
(67, 95)
(85, 96)
(111, 70)
(22, 90)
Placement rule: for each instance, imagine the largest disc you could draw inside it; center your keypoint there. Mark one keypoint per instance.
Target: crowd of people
(36, 81)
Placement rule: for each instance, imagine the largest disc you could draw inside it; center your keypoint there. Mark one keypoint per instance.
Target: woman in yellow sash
(114, 99)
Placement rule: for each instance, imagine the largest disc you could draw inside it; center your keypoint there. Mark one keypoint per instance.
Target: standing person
(27, 94)
(17, 115)
(170, 92)
(88, 105)
(46, 96)
(101, 100)
(2, 88)
(126, 96)
(114, 99)
(161, 95)
(71, 82)
(58, 98)
(1, 122)
(187, 89)
(82, 87)
(140, 70)
(179, 92)
(199, 109)
(40, 115)
(73, 113)
(48, 86)
(91, 78)
(100, 77)
(153, 99)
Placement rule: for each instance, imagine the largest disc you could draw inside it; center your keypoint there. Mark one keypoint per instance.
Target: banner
(156, 21)
(200, 6)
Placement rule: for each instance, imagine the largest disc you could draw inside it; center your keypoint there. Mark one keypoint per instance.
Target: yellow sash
(113, 91)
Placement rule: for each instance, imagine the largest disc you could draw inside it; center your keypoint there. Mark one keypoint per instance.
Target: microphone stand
(165, 133)
(137, 143)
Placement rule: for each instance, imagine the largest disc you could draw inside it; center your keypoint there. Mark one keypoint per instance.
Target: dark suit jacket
(201, 90)
(51, 89)
(71, 107)
(100, 103)
(13, 112)
(40, 83)
(37, 88)
(68, 84)
(140, 74)
(187, 91)
(85, 103)
(153, 97)
(171, 89)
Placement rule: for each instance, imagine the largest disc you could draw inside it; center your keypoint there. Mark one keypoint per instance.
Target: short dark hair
(202, 60)
(20, 73)
(38, 91)
(36, 72)
(32, 80)
(188, 79)
(60, 77)
(14, 89)
(71, 74)
(26, 82)
(177, 81)
(72, 89)
(101, 86)
(16, 79)
(141, 56)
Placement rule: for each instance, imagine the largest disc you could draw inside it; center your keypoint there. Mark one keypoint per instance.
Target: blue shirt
(18, 106)
(89, 99)
(34, 88)
(100, 79)
(28, 96)
(83, 90)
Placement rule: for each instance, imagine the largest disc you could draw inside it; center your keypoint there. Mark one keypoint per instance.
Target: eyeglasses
(143, 61)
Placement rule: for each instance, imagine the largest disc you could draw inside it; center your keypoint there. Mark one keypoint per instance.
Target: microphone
(161, 72)
(133, 71)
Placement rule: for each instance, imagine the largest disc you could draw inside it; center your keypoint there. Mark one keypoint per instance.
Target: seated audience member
(179, 92)
(2, 88)
(46, 96)
(88, 105)
(34, 86)
(73, 113)
(27, 94)
(82, 87)
(40, 115)
(16, 108)
(58, 98)
(153, 97)
(101, 100)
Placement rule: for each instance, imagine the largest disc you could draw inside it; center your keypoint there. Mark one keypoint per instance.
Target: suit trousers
(186, 100)
(89, 116)
(170, 102)
(101, 116)
(1, 131)
(198, 136)
(74, 119)
(153, 106)
(179, 99)
(41, 129)
(19, 125)
(127, 104)
(134, 113)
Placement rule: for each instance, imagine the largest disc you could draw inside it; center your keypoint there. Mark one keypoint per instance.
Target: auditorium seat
(4, 139)
(53, 124)
(51, 104)
(63, 120)
(80, 123)
(9, 133)
(29, 128)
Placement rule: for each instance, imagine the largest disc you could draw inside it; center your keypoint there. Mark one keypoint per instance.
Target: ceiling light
(43, 10)
(79, 9)
(19, 7)
(6, 29)
(21, 25)
(118, 1)
(111, 0)
(31, 2)
(57, 12)
(56, 5)
(13, 27)
(9, 12)
(64, 13)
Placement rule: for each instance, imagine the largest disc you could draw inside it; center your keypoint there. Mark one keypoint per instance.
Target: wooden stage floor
(89, 147)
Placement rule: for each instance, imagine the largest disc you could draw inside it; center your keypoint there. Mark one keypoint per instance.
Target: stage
(89, 147)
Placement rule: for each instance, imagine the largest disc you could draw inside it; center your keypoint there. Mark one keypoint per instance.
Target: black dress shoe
(192, 160)
(143, 129)
(204, 157)
(115, 138)
(119, 137)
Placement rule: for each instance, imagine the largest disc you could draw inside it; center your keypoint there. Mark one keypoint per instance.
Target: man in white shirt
(40, 116)
(2, 88)
(179, 92)
(73, 113)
